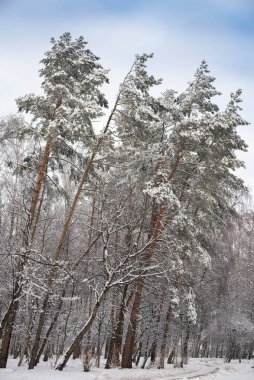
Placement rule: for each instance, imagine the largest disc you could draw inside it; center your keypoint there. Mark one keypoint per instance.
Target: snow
(196, 369)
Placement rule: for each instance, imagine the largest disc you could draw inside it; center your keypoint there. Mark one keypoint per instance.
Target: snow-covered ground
(203, 369)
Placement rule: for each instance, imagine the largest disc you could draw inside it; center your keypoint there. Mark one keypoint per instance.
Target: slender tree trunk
(153, 354)
(38, 184)
(77, 352)
(130, 336)
(164, 338)
(196, 349)
(51, 326)
(46, 354)
(87, 326)
(171, 356)
(115, 344)
(146, 355)
(26, 340)
(154, 344)
(98, 349)
(185, 344)
(37, 216)
(106, 348)
(139, 352)
(7, 325)
(6, 338)
(34, 351)
(204, 349)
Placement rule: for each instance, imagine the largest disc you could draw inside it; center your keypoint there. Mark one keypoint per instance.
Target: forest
(124, 234)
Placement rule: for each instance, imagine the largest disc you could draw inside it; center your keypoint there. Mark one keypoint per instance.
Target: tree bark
(6, 338)
(38, 183)
(7, 325)
(130, 336)
(164, 339)
(185, 344)
(115, 344)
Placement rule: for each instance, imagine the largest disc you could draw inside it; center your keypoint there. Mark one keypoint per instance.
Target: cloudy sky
(179, 32)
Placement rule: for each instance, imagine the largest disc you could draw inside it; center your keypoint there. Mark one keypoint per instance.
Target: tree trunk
(7, 326)
(98, 349)
(38, 184)
(52, 324)
(85, 328)
(146, 355)
(171, 356)
(46, 354)
(77, 352)
(154, 344)
(231, 351)
(6, 339)
(164, 339)
(130, 336)
(185, 344)
(26, 340)
(34, 351)
(138, 354)
(153, 353)
(115, 344)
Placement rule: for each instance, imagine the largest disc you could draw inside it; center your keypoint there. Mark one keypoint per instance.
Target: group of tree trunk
(125, 242)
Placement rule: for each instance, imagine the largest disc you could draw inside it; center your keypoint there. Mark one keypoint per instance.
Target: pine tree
(190, 174)
(72, 77)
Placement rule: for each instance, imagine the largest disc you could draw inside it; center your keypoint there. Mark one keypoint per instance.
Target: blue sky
(180, 32)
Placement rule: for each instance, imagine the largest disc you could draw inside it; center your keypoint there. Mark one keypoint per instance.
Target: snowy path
(197, 369)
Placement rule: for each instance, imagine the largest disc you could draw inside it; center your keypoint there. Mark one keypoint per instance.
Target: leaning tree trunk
(146, 354)
(38, 185)
(51, 326)
(86, 328)
(130, 336)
